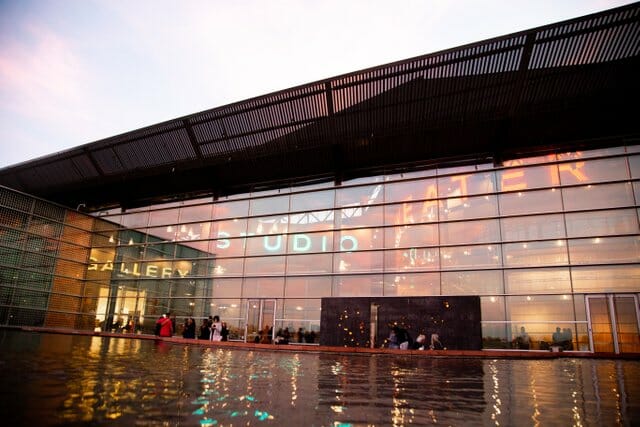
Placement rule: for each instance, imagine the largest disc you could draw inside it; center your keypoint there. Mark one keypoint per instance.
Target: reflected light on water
(120, 382)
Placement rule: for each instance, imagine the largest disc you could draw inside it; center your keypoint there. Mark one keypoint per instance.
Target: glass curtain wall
(533, 237)
(43, 261)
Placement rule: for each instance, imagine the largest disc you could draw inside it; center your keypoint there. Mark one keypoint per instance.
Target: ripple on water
(112, 381)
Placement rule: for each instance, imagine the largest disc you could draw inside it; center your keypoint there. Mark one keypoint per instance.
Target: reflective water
(49, 379)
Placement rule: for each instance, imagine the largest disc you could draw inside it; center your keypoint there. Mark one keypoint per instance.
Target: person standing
(216, 329)
(164, 326)
(205, 330)
(224, 332)
(523, 341)
(189, 328)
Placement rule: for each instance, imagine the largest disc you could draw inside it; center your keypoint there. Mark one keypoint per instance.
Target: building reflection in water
(82, 379)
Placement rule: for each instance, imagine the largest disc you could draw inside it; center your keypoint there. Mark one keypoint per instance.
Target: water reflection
(77, 380)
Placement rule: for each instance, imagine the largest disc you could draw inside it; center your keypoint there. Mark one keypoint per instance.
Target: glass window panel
(470, 256)
(311, 221)
(529, 202)
(472, 282)
(312, 201)
(409, 175)
(413, 284)
(633, 149)
(424, 189)
(263, 287)
(227, 247)
(135, 220)
(598, 196)
(447, 170)
(411, 236)
(228, 267)
(411, 213)
(576, 155)
(523, 161)
(151, 269)
(308, 287)
(229, 228)
(305, 264)
(601, 170)
(601, 250)
(412, 259)
(363, 180)
(552, 252)
(159, 234)
(492, 309)
(357, 286)
(360, 216)
(468, 207)
(345, 262)
(267, 245)
(358, 240)
(537, 280)
(200, 267)
(269, 205)
(188, 232)
(602, 223)
(525, 178)
(313, 186)
(634, 166)
(182, 268)
(466, 184)
(606, 278)
(267, 265)
(532, 227)
(268, 225)
(536, 309)
(311, 242)
(163, 217)
(228, 309)
(636, 191)
(196, 213)
(300, 309)
(359, 196)
(158, 250)
(479, 231)
(233, 209)
(261, 192)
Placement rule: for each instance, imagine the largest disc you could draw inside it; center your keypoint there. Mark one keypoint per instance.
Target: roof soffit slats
(483, 81)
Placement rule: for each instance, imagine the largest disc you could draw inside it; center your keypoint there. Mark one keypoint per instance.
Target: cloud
(41, 77)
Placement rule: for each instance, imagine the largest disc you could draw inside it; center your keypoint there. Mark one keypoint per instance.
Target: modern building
(507, 169)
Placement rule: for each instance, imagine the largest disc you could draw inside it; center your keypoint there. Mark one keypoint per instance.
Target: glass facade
(546, 242)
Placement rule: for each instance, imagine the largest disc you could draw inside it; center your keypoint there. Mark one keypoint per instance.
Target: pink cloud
(40, 76)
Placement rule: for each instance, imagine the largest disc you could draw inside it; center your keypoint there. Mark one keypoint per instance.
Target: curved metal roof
(568, 84)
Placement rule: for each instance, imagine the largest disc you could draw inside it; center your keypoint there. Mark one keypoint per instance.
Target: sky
(74, 72)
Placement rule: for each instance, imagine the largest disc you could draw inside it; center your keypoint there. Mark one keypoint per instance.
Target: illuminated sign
(299, 242)
(133, 269)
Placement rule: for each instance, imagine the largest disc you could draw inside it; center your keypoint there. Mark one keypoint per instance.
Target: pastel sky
(77, 71)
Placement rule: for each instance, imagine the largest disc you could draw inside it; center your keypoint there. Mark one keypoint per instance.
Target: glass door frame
(262, 322)
(610, 299)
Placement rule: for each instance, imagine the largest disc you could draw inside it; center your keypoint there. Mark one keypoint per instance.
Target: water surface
(51, 379)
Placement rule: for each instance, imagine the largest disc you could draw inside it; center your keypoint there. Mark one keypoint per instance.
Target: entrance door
(614, 323)
(261, 314)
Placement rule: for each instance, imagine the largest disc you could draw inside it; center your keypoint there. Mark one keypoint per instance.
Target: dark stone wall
(345, 322)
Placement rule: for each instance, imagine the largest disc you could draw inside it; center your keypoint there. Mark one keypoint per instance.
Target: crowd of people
(562, 338)
(211, 329)
(400, 338)
(284, 336)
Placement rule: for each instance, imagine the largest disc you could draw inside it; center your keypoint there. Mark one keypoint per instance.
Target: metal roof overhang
(569, 85)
